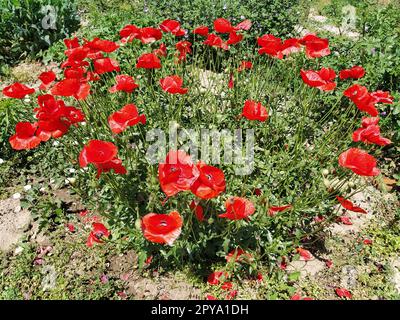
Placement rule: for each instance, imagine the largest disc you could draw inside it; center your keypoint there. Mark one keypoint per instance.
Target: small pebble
(18, 250)
(16, 196)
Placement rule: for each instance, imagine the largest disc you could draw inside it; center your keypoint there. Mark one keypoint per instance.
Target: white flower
(55, 143)
(16, 195)
(1, 161)
(27, 187)
(71, 170)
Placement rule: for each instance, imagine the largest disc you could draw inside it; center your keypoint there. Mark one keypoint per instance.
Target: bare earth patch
(13, 223)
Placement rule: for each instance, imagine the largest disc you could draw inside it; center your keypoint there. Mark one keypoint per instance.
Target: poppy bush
(144, 119)
(27, 28)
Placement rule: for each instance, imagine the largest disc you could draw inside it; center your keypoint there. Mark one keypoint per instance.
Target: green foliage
(269, 16)
(27, 26)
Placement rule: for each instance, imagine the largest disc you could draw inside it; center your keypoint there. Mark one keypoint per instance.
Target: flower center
(99, 234)
(163, 223)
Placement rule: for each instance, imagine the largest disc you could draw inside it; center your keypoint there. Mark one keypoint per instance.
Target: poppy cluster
(273, 46)
(366, 101)
(89, 61)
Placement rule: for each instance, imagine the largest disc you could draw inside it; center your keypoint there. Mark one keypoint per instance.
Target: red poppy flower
(355, 72)
(198, 210)
(173, 85)
(217, 277)
(97, 151)
(254, 110)
(52, 128)
(77, 55)
(161, 51)
(54, 118)
(75, 72)
(315, 47)
(184, 47)
(272, 211)
(149, 35)
(305, 255)
(234, 38)
(24, 137)
(238, 255)
(367, 242)
(362, 99)
(222, 25)
(70, 227)
(98, 233)
(148, 61)
(177, 173)
(126, 117)
(129, 32)
(283, 263)
(370, 133)
(103, 155)
(114, 164)
(259, 277)
(17, 90)
(210, 297)
(71, 87)
(348, 205)
(162, 228)
(329, 263)
(227, 285)
(290, 46)
(201, 30)
(210, 183)
(322, 79)
(245, 65)
(359, 161)
(238, 208)
(215, 41)
(244, 25)
(343, 293)
(173, 27)
(231, 82)
(298, 297)
(270, 45)
(344, 220)
(101, 45)
(105, 65)
(46, 78)
(231, 295)
(319, 218)
(382, 97)
(71, 43)
(124, 83)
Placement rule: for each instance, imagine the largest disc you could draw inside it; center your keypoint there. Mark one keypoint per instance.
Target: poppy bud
(138, 224)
